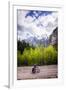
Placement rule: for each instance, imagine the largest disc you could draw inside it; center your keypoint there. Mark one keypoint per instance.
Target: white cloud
(29, 19)
(21, 16)
(49, 22)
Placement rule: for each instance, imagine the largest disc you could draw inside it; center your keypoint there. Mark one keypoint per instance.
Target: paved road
(48, 71)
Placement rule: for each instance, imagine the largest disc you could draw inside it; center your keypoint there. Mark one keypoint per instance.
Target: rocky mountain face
(54, 37)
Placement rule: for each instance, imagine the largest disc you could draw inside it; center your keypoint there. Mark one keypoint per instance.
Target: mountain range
(35, 41)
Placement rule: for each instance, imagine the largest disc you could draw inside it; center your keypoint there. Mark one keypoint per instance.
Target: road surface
(48, 71)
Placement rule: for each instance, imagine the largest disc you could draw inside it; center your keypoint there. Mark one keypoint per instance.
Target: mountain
(53, 39)
(34, 38)
(35, 41)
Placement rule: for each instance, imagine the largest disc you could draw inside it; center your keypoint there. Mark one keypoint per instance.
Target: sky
(33, 23)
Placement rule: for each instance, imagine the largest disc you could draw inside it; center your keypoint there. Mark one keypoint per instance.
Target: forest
(28, 55)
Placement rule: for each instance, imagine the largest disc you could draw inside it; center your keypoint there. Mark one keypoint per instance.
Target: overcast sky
(32, 23)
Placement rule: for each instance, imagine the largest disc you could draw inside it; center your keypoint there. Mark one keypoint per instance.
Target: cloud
(36, 23)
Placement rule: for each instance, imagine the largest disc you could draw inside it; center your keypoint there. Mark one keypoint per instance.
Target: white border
(13, 82)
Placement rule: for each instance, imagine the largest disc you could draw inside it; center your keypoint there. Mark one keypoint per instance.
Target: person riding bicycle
(35, 69)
